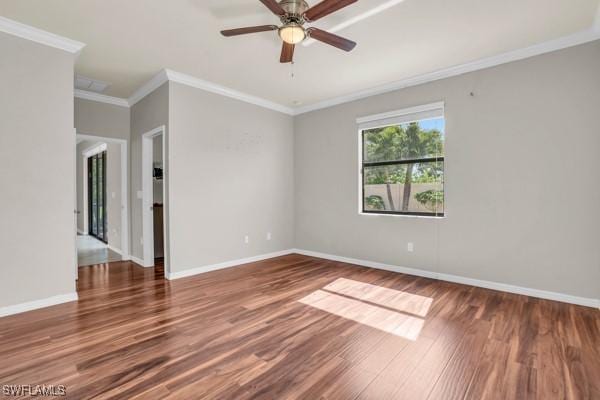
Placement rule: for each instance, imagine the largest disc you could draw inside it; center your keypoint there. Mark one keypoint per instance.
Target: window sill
(402, 215)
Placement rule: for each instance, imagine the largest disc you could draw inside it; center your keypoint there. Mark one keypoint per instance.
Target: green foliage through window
(400, 184)
(375, 203)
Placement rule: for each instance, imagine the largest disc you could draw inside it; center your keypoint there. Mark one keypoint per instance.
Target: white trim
(75, 210)
(101, 98)
(503, 287)
(115, 249)
(136, 260)
(81, 232)
(226, 264)
(125, 201)
(84, 194)
(360, 17)
(36, 304)
(166, 75)
(520, 54)
(87, 153)
(94, 149)
(39, 36)
(148, 87)
(225, 91)
(148, 197)
(405, 111)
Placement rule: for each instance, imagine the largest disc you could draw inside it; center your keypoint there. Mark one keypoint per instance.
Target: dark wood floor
(301, 327)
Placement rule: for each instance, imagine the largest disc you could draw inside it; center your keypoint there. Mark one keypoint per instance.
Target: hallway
(91, 251)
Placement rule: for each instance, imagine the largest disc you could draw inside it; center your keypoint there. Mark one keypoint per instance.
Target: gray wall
(149, 113)
(37, 142)
(113, 189)
(230, 175)
(100, 119)
(530, 131)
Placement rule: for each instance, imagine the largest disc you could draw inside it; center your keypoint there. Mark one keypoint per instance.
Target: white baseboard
(226, 264)
(542, 294)
(115, 249)
(136, 260)
(81, 232)
(34, 305)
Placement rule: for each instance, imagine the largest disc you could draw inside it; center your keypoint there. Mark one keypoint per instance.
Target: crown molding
(101, 98)
(166, 75)
(515, 55)
(39, 36)
(225, 91)
(149, 87)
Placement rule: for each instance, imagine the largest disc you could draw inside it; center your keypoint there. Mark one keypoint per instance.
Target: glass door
(97, 196)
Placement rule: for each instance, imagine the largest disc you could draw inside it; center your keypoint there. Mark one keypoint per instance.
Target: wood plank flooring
(297, 327)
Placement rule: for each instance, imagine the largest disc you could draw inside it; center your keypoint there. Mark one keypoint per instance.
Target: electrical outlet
(269, 236)
(411, 247)
(246, 239)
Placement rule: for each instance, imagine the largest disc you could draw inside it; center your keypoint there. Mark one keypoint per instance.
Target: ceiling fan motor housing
(294, 9)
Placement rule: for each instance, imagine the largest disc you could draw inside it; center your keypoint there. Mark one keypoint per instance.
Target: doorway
(102, 200)
(97, 203)
(154, 199)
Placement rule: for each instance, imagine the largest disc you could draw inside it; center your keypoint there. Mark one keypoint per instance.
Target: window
(402, 162)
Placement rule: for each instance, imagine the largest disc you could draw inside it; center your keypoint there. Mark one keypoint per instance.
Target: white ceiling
(129, 41)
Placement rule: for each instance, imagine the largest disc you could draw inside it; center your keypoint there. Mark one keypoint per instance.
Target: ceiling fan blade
(274, 7)
(287, 52)
(331, 39)
(326, 7)
(251, 29)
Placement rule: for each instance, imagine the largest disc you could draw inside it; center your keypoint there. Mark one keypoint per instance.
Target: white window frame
(402, 116)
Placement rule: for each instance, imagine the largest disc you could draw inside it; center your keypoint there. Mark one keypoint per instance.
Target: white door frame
(87, 153)
(148, 197)
(74, 154)
(124, 189)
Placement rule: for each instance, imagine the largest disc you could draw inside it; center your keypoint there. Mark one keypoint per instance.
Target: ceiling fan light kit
(293, 15)
(292, 33)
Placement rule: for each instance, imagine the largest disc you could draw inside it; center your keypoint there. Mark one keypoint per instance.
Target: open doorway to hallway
(154, 189)
(157, 199)
(102, 232)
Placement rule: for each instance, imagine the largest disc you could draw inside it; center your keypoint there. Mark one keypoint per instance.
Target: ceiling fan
(294, 14)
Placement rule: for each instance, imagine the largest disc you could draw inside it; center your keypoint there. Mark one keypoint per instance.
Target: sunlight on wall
(388, 310)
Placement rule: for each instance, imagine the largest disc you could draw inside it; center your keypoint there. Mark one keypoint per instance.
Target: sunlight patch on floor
(389, 298)
(392, 311)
